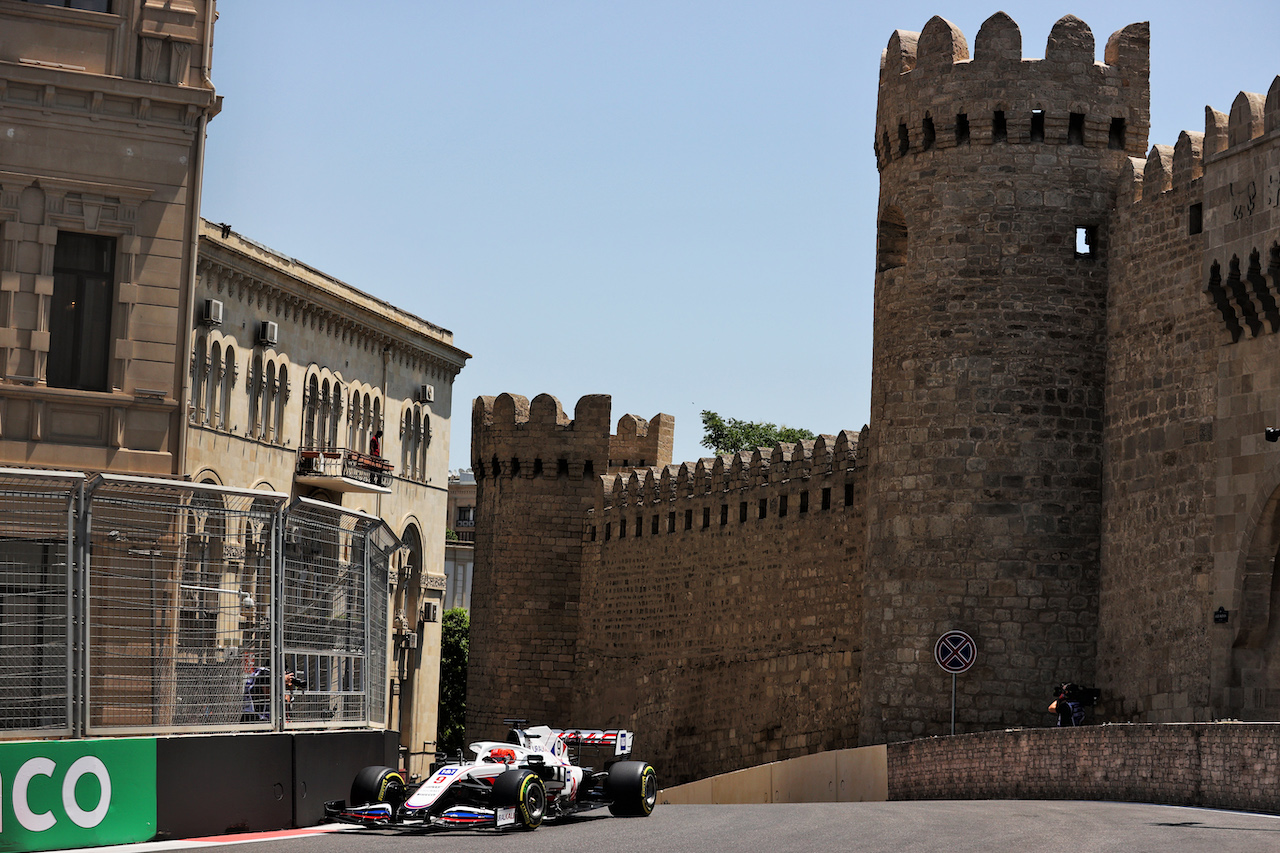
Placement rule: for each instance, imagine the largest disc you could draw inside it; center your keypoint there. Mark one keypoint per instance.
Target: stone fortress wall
(774, 538)
(1074, 362)
(986, 404)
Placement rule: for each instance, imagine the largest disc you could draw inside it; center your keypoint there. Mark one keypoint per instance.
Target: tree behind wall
(729, 435)
(454, 641)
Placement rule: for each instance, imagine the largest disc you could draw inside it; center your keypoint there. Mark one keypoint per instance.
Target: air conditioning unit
(268, 333)
(426, 394)
(212, 312)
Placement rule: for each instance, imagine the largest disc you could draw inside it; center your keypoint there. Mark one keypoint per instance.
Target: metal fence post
(366, 640)
(279, 520)
(76, 618)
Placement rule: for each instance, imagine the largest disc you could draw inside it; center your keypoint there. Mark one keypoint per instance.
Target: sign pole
(953, 703)
(955, 652)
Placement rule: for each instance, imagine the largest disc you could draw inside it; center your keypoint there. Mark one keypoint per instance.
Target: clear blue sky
(672, 202)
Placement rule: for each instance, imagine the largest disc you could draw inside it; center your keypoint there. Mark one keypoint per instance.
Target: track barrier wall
(61, 794)
(1216, 765)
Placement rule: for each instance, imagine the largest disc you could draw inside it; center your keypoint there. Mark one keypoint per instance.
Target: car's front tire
(632, 788)
(379, 785)
(523, 790)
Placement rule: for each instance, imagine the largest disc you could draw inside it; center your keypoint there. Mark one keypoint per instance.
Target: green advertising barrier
(77, 793)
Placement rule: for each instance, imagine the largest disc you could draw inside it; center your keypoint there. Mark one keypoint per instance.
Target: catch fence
(141, 606)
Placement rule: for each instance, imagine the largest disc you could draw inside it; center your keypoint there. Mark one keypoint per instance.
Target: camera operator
(257, 694)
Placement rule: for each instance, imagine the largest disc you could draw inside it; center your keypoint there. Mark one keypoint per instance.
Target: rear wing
(618, 739)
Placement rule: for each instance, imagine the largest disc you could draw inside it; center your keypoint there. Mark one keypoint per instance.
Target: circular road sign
(955, 652)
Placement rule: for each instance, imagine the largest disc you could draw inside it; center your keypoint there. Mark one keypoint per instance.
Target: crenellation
(1215, 132)
(999, 40)
(1129, 184)
(1247, 119)
(722, 483)
(1157, 174)
(940, 46)
(1130, 47)
(1272, 106)
(931, 75)
(900, 56)
(1188, 158)
(1071, 44)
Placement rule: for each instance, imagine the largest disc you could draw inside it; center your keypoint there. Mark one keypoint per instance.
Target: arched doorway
(409, 648)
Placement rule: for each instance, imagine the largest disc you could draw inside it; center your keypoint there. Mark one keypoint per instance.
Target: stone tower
(537, 474)
(997, 179)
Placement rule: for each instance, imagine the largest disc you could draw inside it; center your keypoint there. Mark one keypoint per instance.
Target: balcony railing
(344, 470)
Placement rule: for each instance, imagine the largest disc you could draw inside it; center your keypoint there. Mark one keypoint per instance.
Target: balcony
(338, 469)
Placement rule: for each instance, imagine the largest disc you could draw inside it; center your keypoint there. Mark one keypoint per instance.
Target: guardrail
(343, 462)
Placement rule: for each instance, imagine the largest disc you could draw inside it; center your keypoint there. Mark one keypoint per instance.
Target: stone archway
(411, 717)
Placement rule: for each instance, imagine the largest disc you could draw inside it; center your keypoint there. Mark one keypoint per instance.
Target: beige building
(293, 376)
(102, 124)
(460, 548)
(258, 373)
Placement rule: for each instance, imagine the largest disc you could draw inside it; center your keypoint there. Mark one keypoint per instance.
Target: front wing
(454, 817)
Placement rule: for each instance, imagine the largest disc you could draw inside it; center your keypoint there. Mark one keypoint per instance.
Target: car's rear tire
(632, 788)
(523, 790)
(379, 785)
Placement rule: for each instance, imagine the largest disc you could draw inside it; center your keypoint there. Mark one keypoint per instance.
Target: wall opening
(929, 135)
(1115, 138)
(891, 240)
(962, 129)
(1195, 218)
(904, 140)
(1075, 129)
(1086, 241)
(999, 128)
(1037, 125)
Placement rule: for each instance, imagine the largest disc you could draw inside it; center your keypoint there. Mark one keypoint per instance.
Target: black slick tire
(632, 788)
(379, 785)
(524, 791)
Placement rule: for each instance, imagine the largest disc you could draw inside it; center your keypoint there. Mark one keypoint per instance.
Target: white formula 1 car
(534, 775)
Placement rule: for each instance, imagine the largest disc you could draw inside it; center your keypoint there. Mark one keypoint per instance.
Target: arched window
(335, 414)
(211, 385)
(199, 369)
(229, 371)
(282, 397)
(353, 421)
(269, 403)
(311, 411)
(254, 387)
(326, 415)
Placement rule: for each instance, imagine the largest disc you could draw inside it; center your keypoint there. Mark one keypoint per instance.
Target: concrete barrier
(1218, 765)
(842, 776)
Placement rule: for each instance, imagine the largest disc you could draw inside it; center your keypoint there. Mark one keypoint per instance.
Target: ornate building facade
(103, 110)
(137, 339)
(303, 384)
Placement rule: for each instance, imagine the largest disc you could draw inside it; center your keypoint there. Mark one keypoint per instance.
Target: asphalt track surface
(988, 826)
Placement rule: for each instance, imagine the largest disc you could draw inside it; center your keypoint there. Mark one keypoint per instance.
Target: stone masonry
(1075, 360)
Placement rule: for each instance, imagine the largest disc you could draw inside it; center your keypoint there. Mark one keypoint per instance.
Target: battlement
(750, 476)
(934, 96)
(510, 436)
(1252, 117)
